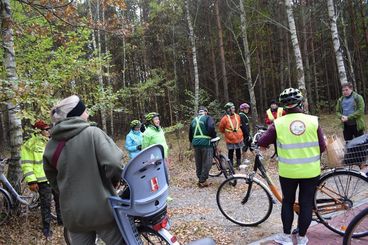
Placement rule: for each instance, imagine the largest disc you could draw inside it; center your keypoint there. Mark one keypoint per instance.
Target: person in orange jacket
(230, 127)
(273, 112)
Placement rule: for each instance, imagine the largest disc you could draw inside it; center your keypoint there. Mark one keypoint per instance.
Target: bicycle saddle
(215, 139)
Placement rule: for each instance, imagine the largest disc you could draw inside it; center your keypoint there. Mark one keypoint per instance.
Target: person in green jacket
(32, 168)
(154, 133)
(350, 110)
(83, 164)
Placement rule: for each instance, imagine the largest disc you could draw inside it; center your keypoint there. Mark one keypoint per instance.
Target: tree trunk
(305, 49)
(222, 52)
(247, 63)
(15, 124)
(336, 42)
(298, 56)
(194, 57)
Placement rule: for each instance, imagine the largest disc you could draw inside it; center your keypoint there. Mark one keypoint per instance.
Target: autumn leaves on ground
(194, 213)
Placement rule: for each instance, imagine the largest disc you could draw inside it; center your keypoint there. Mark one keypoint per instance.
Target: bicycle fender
(167, 236)
(6, 193)
(337, 170)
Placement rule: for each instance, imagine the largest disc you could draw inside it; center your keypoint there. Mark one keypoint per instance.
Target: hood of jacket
(68, 128)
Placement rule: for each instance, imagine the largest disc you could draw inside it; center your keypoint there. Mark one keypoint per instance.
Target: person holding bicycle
(243, 111)
(83, 164)
(133, 140)
(300, 142)
(32, 168)
(201, 131)
(230, 127)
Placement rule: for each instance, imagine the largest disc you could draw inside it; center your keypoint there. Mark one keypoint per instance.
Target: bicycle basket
(356, 151)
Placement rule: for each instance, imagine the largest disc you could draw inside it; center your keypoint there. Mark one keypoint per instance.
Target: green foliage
(214, 107)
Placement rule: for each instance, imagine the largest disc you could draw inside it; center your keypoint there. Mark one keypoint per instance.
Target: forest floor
(193, 212)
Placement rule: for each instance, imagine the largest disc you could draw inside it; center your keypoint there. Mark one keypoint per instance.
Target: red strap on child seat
(56, 155)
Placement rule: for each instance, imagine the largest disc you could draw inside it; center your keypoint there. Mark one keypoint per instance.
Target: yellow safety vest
(31, 159)
(297, 146)
(270, 115)
(237, 126)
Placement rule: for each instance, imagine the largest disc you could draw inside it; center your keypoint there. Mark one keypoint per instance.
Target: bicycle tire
(150, 236)
(342, 186)
(4, 207)
(67, 237)
(226, 167)
(360, 219)
(215, 170)
(229, 199)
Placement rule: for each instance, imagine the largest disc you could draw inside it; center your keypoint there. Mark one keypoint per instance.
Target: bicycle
(340, 192)
(220, 163)
(10, 200)
(360, 222)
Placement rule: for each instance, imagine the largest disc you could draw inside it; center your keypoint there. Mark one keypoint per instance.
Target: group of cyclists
(81, 164)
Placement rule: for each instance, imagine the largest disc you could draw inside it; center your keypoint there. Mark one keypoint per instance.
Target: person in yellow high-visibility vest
(32, 168)
(273, 112)
(300, 142)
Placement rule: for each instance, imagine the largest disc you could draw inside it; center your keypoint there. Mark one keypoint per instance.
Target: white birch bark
(194, 55)
(15, 124)
(247, 63)
(336, 42)
(297, 53)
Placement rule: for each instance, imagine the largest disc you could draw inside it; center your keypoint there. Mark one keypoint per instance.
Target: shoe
(284, 239)
(47, 233)
(203, 184)
(302, 240)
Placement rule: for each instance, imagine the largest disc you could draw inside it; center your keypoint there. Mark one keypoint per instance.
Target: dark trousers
(307, 189)
(203, 159)
(351, 131)
(230, 155)
(45, 202)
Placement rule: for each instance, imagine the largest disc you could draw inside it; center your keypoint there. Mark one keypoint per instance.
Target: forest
(125, 58)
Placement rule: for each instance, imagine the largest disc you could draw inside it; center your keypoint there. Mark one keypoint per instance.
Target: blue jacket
(132, 140)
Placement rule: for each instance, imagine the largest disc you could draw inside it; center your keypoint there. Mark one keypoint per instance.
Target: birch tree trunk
(336, 42)
(194, 57)
(15, 124)
(222, 52)
(297, 53)
(247, 64)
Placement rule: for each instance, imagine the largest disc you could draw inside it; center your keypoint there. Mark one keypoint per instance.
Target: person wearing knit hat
(83, 164)
(31, 165)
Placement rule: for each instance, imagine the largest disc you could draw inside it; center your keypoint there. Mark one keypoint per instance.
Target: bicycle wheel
(4, 207)
(231, 201)
(150, 236)
(340, 196)
(227, 168)
(67, 238)
(358, 225)
(215, 170)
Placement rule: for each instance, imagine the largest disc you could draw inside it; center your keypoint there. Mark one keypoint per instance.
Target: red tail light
(163, 223)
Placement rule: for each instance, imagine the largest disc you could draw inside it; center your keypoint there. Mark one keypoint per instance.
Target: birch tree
(194, 57)
(297, 53)
(336, 42)
(15, 124)
(246, 60)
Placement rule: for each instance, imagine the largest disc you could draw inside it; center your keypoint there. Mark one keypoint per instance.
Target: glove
(139, 147)
(33, 186)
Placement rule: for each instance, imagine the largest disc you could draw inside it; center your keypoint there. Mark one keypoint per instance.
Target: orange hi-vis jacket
(230, 127)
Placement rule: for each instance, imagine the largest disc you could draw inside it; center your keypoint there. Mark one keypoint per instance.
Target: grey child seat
(147, 179)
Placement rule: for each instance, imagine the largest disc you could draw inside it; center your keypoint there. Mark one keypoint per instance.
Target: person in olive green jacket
(32, 168)
(350, 110)
(154, 133)
(83, 164)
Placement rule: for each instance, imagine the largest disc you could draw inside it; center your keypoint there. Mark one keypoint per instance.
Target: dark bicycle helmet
(229, 105)
(151, 115)
(291, 97)
(135, 124)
